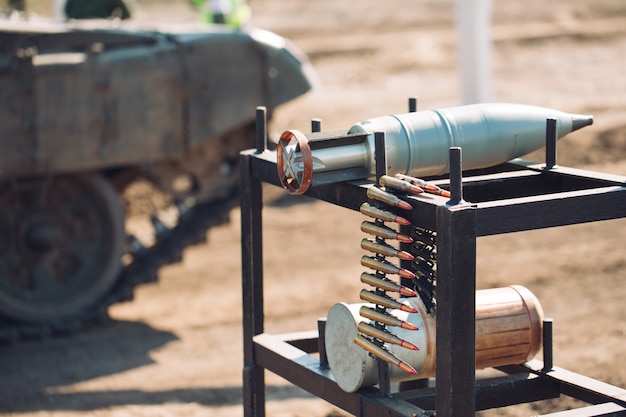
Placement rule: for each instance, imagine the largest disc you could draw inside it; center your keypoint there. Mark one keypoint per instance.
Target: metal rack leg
(252, 288)
(456, 311)
(456, 304)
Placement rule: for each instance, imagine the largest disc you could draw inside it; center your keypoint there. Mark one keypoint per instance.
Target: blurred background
(176, 349)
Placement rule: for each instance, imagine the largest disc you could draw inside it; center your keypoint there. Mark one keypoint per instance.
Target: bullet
(377, 194)
(383, 354)
(385, 301)
(385, 336)
(386, 267)
(384, 232)
(429, 187)
(399, 185)
(386, 216)
(490, 134)
(386, 285)
(386, 250)
(418, 143)
(388, 319)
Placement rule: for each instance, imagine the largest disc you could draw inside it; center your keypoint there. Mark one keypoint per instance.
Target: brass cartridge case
(386, 285)
(384, 232)
(385, 250)
(385, 267)
(385, 318)
(509, 324)
(384, 215)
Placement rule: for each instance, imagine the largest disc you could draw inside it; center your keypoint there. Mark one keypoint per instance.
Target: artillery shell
(385, 301)
(384, 232)
(429, 187)
(383, 354)
(386, 216)
(385, 267)
(385, 336)
(387, 285)
(399, 185)
(388, 319)
(376, 193)
(385, 249)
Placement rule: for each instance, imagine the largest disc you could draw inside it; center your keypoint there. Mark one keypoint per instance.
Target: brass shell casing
(509, 324)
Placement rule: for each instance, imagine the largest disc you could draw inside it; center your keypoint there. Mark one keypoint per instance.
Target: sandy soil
(176, 350)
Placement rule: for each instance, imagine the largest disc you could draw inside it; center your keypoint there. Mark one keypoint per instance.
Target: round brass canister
(508, 331)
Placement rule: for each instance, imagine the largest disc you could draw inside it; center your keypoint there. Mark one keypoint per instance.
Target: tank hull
(85, 100)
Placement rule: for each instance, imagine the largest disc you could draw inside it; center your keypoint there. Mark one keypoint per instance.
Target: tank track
(191, 228)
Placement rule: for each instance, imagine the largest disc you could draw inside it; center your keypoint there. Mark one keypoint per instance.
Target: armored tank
(88, 111)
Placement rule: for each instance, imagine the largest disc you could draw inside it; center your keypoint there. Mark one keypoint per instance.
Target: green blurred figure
(96, 9)
(17, 5)
(230, 12)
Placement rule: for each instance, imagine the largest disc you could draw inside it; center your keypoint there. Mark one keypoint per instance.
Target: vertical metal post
(321, 342)
(384, 386)
(412, 105)
(456, 304)
(456, 175)
(252, 287)
(380, 154)
(316, 125)
(548, 358)
(551, 137)
(261, 129)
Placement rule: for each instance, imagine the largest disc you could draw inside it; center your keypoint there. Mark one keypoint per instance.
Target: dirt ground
(176, 350)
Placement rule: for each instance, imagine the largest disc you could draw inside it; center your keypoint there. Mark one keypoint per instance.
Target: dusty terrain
(176, 350)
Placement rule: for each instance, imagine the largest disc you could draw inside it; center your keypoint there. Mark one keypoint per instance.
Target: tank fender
(289, 72)
(231, 72)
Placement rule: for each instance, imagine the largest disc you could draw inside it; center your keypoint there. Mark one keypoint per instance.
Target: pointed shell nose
(580, 121)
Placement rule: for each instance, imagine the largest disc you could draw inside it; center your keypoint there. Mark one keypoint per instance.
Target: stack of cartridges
(401, 329)
(385, 199)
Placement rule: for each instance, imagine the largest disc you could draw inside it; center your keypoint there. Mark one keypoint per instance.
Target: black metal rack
(515, 196)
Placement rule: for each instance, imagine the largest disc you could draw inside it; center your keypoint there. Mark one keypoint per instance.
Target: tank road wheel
(61, 243)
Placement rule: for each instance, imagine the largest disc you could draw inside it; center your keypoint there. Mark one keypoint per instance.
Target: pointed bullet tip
(414, 189)
(580, 121)
(407, 292)
(406, 367)
(405, 256)
(405, 273)
(404, 205)
(408, 326)
(402, 221)
(404, 238)
(408, 345)
(407, 308)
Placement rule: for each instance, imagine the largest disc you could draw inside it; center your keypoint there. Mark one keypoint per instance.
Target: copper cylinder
(509, 325)
(508, 331)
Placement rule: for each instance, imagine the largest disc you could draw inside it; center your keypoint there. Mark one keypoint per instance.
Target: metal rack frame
(515, 196)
